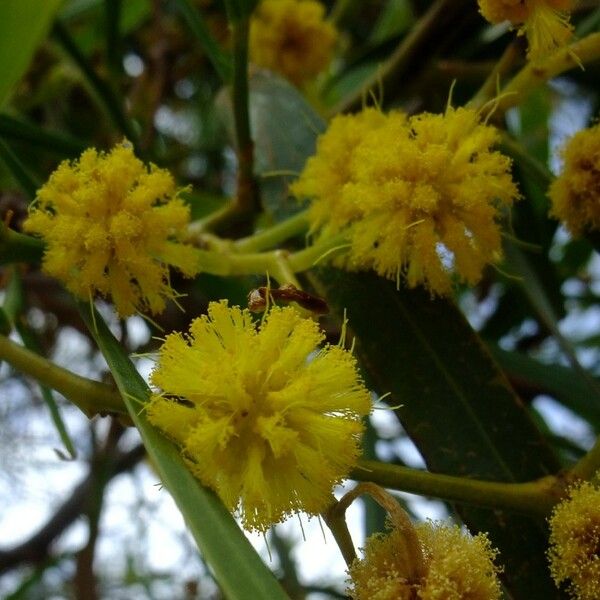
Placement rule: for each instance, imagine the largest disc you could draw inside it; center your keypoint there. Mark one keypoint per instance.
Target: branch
(35, 549)
(91, 397)
(533, 498)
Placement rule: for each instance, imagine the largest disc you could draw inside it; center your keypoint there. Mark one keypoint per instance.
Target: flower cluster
(417, 197)
(291, 37)
(263, 416)
(456, 566)
(544, 22)
(575, 194)
(575, 540)
(112, 226)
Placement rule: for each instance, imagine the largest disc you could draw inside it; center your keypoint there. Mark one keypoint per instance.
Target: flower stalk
(535, 498)
(91, 397)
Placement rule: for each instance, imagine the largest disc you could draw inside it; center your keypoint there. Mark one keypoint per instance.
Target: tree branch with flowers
(395, 230)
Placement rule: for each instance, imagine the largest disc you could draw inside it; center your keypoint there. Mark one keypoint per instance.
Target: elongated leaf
(456, 406)
(559, 381)
(284, 129)
(238, 569)
(23, 24)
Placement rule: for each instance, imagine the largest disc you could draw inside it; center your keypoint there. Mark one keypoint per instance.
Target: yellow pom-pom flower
(292, 37)
(417, 197)
(544, 22)
(112, 226)
(575, 194)
(263, 416)
(574, 542)
(456, 566)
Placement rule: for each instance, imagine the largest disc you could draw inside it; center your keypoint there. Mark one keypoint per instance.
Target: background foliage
(501, 384)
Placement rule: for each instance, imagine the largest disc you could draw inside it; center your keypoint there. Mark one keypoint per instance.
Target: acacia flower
(456, 566)
(292, 37)
(575, 194)
(544, 22)
(263, 416)
(575, 540)
(112, 226)
(418, 197)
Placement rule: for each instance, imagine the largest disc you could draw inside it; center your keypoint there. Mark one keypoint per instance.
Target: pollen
(456, 566)
(112, 226)
(545, 22)
(418, 197)
(292, 37)
(264, 415)
(575, 540)
(575, 194)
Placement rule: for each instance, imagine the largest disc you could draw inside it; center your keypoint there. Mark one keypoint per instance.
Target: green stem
(340, 9)
(91, 397)
(282, 270)
(335, 519)
(219, 60)
(587, 467)
(225, 215)
(17, 247)
(18, 170)
(534, 498)
(272, 236)
(102, 91)
(226, 263)
(492, 84)
(404, 56)
(531, 76)
(247, 190)
(303, 260)
(526, 161)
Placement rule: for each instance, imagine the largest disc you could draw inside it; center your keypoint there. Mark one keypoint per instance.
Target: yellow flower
(291, 37)
(574, 542)
(263, 417)
(112, 226)
(418, 197)
(457, 566)
(544, 22)
(575, 194)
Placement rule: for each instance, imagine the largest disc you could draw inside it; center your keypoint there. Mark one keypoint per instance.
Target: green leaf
(456, 406)
(23, 25)
(13, 128)
(562, 383)
(237, 567)
(219, 59)
(284, 129)
(396, 18)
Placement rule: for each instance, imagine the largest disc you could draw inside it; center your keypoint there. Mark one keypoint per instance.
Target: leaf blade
(456, 406)
(222, 543)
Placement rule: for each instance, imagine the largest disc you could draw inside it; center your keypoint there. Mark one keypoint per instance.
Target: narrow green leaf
(31, 343)
(23, 25)
(237, 567)
(12, 128)
(101, 90)
(561, 382)
(396, 17)
(16, 247)
(536, 294)
(284, 129)
(455, 405)
(218, 58)
(11, 315)
(18, 170)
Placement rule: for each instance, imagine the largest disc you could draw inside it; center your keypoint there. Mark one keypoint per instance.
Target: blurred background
(92, 521)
